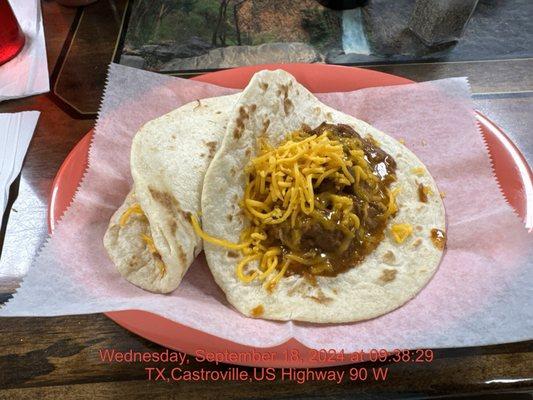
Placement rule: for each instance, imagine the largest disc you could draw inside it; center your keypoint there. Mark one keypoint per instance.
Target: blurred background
(197, 35)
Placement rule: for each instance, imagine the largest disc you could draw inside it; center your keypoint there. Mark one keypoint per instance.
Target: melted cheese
(418, 171)
(280, 186)
(400, 232)
(150, 245)
(290, 173)
(214, 240)
(135, 208)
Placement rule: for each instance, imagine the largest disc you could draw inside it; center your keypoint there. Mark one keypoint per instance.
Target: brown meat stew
(319, 244)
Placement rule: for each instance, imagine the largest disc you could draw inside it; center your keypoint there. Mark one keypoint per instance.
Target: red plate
(512, 171)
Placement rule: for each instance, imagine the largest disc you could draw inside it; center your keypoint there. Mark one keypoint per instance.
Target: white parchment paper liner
(480, 295)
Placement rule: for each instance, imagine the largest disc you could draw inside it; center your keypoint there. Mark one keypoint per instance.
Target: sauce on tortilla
(321, 243)
(422, 193)
(438, 238)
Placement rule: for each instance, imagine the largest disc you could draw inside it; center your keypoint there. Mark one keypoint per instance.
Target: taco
(309, 214)
(150, 238)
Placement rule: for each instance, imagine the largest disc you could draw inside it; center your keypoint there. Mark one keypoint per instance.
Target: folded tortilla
(154, 244)
(273, 105)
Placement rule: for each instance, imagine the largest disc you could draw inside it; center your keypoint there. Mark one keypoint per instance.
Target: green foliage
(178, 20)
(186, 6)
(206, 7)
(265, 37)
(158, 21)
(323, 27)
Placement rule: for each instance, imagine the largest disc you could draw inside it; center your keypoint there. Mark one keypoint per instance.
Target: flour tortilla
(128, 250)
(273, 105)
(169, 157)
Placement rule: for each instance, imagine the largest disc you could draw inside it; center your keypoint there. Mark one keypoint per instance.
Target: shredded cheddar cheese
(281, 188)
(135, 208)
(400, 232)
(418, 171)
(290, 173)
(150, 245)
(211, 239)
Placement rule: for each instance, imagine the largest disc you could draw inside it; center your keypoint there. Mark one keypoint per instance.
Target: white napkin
(27, 73)
(16, 131)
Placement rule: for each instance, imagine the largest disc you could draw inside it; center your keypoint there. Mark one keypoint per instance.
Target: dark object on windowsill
(437, 22)
(75, 3)
(343, 4)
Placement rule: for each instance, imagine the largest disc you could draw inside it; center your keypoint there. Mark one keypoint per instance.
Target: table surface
(59, 357)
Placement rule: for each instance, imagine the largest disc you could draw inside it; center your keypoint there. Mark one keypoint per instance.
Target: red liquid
(11, 36)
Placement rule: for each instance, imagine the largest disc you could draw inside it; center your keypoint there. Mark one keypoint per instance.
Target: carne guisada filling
(350, 214)
(318, 204)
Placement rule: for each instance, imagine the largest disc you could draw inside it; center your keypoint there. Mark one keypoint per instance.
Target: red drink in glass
(11, 36)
